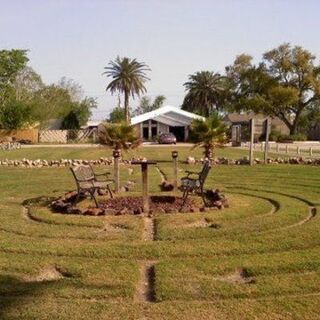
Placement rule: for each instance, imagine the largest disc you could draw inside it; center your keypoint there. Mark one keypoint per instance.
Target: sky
(77, 38)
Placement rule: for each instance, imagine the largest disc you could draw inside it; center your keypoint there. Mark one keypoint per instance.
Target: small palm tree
(208, 134)
(128, 77)
(118, 136)
(204, 92)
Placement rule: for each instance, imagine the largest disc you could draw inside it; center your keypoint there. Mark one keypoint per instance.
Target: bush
(14, 115)
(291, 138)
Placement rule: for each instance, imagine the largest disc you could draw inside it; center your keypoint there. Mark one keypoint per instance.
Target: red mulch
(157, 203)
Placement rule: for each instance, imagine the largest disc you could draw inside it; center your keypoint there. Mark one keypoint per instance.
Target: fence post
(287, 148)
(298, 150)
(266, 143)
(251, 141)
(116, 156)
(310, 152)
(175, 169)
(278, 148)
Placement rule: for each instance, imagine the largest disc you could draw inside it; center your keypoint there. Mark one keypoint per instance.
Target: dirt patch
(240, 276)
(50, 273)
(149, 230)
(146, 286)
(203, 223)
(161, 204)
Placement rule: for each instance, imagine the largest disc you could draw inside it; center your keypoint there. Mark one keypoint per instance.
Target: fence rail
(288, 149)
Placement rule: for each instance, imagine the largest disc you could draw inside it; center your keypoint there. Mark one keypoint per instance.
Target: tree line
(26, 101)
(284, 84)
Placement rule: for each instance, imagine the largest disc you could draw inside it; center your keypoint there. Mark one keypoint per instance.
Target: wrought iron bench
(194, 184)
(89, 181)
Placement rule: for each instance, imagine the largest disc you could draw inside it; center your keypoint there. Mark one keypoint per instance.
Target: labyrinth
(169, 266)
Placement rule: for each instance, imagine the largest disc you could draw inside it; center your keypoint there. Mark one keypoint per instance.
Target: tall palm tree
(128, 77)
(208, 134)
(204, 92)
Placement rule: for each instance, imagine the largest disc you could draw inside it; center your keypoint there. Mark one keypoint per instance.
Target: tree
(117, 115)
(147, 105)
(285, 84)
(205, 91)
(208, 134)
(14, 115)
(119, 136)
(128, 77)
(11, 63)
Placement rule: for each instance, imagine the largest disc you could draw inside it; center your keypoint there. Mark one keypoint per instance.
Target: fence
(65, 136)
(23, 134)
(288, 149)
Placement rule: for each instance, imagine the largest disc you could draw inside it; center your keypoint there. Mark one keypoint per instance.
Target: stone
(109, 211)
(194, 209)
(191, 160)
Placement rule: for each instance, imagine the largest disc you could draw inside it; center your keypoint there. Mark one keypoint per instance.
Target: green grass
(194, 254)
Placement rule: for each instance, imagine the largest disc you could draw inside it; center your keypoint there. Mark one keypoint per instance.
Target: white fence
(291, 149)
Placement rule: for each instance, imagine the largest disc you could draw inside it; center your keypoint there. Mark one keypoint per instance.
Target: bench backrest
(205, 171)
(82, 173)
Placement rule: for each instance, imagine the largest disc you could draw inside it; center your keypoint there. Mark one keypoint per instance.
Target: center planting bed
(158, 204)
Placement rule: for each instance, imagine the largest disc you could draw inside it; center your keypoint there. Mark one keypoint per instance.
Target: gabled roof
(168, 115)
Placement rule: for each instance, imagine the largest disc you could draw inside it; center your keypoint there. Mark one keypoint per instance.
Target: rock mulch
(39, 163)
(245, 161)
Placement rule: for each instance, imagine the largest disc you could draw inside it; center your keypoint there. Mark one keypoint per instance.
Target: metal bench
(89, 181)
(195, 184)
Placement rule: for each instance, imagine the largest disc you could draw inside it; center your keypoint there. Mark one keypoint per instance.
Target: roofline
(163, 110)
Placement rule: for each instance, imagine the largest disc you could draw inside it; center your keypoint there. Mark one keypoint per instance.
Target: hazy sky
(77, 38)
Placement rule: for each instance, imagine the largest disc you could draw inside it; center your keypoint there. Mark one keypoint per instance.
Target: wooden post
(287, 149)
(145, 195)
(175, 169)
(251, 141)
(298, 150)
(116, 156)
(266, 144)
(310, 151)
(278, 148)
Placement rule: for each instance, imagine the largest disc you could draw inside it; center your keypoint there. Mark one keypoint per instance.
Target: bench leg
(184, 197)
(110, 192)
(93, 197)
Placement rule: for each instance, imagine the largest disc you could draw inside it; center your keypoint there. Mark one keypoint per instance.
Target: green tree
(128, 77)
(205, 91)
(208, 134)
(119, 136)
(117, 115)
(147, 105)
(285, 84)
(14, 115)
(11, 63)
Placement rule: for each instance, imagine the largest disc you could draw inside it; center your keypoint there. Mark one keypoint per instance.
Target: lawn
(267, 229)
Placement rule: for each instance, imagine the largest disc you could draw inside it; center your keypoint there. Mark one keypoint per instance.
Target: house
(165, 119)
(239, 123)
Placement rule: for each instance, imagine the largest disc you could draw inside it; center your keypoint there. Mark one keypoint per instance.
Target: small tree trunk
(126, 106)
(208, 152)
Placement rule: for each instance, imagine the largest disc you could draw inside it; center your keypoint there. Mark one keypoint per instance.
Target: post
(287, 149)
(310, 151)
(298, 150)
(145, 196)
(278, 148)
(175, 169)
(251, 141)
(266, 144)
(116, 156)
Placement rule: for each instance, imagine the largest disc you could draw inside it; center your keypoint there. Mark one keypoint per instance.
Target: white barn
(162, 120)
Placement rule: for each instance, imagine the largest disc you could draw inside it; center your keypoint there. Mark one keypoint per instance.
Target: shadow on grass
(14, 291)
